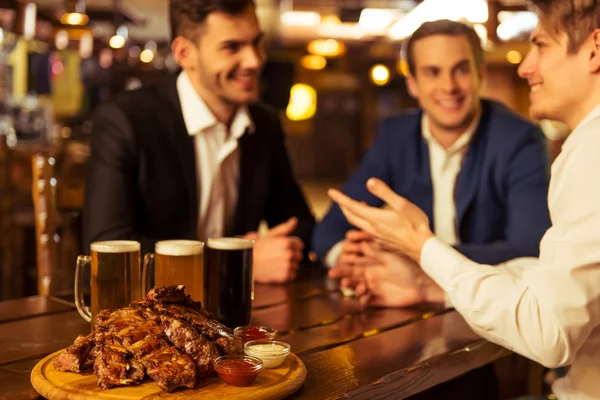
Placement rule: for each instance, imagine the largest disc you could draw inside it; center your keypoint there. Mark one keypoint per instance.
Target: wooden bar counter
(348, 351)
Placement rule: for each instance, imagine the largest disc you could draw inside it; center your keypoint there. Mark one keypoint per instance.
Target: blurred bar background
(334, 70)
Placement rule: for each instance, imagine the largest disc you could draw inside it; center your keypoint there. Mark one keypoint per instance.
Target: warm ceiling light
(375, 19)
(117, 42)
(146, 56)
(303, 102)
(514, 57)
(380, 74)
(74, 19)
(515, 24)
(300, 18)
(330, 19)
(326, 48)
(74, 13)
(474, 11)
(313, 62)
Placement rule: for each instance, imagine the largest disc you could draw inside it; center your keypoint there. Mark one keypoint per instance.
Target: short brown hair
(448, 28)
(576, 18)
(187, 15)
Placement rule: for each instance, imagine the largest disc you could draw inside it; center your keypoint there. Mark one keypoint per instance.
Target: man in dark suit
(478, 170)
(195, 156)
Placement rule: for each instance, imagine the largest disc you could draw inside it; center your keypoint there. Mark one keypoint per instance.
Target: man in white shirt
(549, 312)
(196, 156)
(476, 168)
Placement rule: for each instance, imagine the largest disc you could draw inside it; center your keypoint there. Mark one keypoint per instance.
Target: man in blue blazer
(500, 184)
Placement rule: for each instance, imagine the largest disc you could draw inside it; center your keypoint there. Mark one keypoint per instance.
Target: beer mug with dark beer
(115, 279)
(228, 281)
(176, 262)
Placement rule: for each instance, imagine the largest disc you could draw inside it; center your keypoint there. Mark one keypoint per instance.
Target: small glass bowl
(271, 352)
(238, 370)
(250, 333)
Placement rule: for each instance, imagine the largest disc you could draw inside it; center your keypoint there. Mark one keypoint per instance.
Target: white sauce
(270, 349)
(271, 354)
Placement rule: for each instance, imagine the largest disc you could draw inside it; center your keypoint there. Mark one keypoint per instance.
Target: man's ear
(184, 52)
(594, 63)
(411, 85)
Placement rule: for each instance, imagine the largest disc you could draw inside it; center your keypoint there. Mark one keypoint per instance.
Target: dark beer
(228, 280)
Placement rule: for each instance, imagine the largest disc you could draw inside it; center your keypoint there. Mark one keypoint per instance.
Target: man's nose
(449, 82)
(252, 58)
(526, 68)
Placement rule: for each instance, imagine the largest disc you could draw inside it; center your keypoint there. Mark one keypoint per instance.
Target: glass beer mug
(228, 280)
(115, 279)
(176, 262)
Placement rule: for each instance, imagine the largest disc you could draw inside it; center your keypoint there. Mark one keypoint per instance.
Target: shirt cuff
(441, 262)
(332, 256)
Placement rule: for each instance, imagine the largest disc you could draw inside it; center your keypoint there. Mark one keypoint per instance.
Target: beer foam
(179, 247)
(115, 246)
(230, 243)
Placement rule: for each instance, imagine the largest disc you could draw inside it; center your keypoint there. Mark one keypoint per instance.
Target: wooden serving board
(271, 384)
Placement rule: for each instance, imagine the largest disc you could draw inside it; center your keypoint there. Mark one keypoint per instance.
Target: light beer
(228, 280)
(115, 277)
(180, 262)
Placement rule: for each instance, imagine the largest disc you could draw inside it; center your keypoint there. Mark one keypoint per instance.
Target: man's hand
(351, 248)
(402, 225)
(276, 255)
(349, 266)
(351, 259)
(395, 281)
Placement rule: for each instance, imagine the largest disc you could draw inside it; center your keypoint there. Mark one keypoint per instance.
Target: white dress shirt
(549, 313)
(217, 158)
(445, 165)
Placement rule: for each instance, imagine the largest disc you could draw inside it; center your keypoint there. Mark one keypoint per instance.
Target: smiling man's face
(446, 81)
(556, 77)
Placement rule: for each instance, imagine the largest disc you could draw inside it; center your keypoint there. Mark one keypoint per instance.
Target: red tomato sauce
(237, 372)
(254, 333)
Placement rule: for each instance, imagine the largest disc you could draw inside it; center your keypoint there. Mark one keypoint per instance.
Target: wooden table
(348, 351)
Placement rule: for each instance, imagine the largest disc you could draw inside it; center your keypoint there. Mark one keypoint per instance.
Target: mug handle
(147, 273)
(84, 310)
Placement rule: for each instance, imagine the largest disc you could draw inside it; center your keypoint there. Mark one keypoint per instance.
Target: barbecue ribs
(167, 336)
(74, 356)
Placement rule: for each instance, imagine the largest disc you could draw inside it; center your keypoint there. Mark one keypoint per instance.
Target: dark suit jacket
(141, 179)
(500, 194)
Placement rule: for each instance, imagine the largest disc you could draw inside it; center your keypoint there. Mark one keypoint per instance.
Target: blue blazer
(500, 194)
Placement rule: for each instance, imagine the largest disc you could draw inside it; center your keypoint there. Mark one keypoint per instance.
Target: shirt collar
(592, 115)
(581, 129)
(462, 141)
(198, 117)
